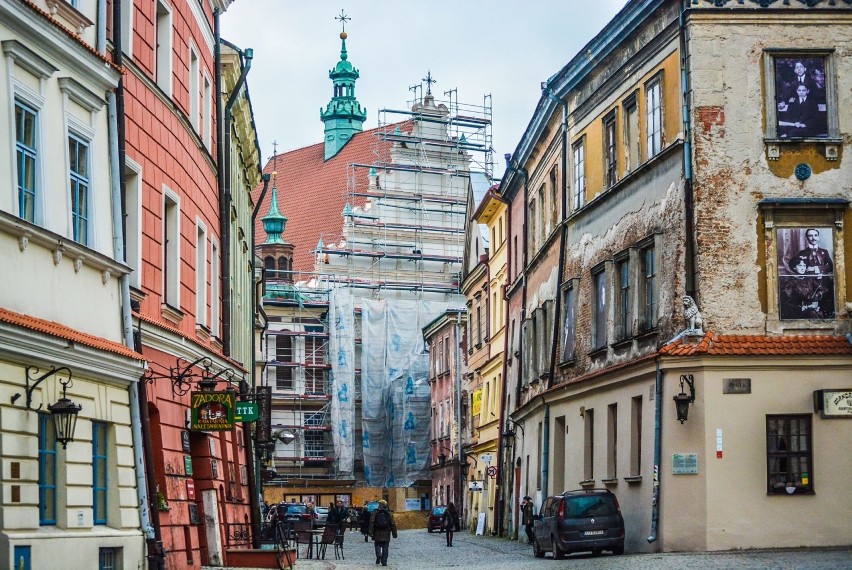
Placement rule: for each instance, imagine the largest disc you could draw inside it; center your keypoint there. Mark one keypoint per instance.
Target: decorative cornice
(80, 95)
(772, 3)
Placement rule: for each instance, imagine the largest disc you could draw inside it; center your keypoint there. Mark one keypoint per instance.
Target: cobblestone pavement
(415, 549)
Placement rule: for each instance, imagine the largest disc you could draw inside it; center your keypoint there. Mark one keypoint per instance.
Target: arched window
(269, 263)
(282, 264)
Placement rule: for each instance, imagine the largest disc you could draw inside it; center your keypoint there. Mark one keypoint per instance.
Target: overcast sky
(505, 48)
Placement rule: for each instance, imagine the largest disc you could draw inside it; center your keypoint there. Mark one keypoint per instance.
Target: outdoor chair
(329, 534)
(338, 545)
(303, 536)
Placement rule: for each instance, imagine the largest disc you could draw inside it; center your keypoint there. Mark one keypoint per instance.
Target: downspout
(115, 110)
(457, 386)
(545, 450)
(224, 204)
(523, 271)
(658, 441)
(554, 341)
(253, 471)
(689, 206)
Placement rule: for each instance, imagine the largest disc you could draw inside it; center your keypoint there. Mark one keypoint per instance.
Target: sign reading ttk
(212, 411)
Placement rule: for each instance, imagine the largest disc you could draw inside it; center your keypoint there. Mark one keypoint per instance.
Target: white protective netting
(342, 356)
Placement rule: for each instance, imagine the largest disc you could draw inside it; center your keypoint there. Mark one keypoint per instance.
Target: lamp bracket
(182, 375)
(690, 381)
(32, 372)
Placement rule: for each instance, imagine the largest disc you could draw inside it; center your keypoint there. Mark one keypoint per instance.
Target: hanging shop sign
(476, 406)
(212, 411)
(833, 403)
(246, 412)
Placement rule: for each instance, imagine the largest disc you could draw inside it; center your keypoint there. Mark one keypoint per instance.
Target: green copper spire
(274, 221)
(344, 116)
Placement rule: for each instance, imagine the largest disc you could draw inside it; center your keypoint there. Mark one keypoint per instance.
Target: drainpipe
(254, 471)
(562, 238)
(658, 440)
(115, 106)
(689, 207)
(545, 450)
(224, 204)
(457, 386)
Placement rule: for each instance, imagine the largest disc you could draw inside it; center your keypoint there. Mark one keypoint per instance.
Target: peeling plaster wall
(731, 169)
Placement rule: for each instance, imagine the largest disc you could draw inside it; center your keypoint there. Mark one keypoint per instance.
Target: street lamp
(683, 400)
(64, 411)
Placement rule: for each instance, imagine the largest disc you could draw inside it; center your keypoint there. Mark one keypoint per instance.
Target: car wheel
(596, 551)
(558, 553)
(618, 550)
(537, 551)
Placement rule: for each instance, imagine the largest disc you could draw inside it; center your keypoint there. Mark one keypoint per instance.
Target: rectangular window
(610, 157)
(800, 96)
(579, 175)
(200, 274)
(653, 118)
(624, 318)
(26, 155)
(46, 470)
(806, 273)
(568, 325)
(163, 50)
(589, 445)
(109, 558)
(214, 287)
(600, 307)
(612, 441)
(631, 134)
(539, 455)
(194, 89)
(636, 436)
(649, 289)
(171, 251)
(789, 459)
(284, 358)
(533, 229)
(100, 446)
(207, 115)
(133, 197)
(78, 156)
(542, 207)
(554, 199)
(480, 325)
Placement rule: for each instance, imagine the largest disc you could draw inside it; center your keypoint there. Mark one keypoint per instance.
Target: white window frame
(35, 101)
(214, 287)
(171, 251)
(578, 163)
(200, 272)
(127, 16)
(654, 119)
(207, 111)
(133, 224)
(194, 87)
(164, 46)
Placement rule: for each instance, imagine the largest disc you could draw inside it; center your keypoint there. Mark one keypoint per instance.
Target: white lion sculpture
(694, 320)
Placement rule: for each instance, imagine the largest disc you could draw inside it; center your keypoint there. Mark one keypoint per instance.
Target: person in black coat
(364, 520)
(337, 515)
(450, 521)
(800, 117)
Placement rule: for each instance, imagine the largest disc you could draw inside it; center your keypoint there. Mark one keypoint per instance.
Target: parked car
(320, 516)
(294, 512)
(436, 515)
(579, 521)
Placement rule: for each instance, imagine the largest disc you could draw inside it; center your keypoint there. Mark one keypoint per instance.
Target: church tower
(344, 116)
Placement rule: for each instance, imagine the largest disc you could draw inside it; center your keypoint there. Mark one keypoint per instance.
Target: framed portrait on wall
(805, 273)
(801, 96)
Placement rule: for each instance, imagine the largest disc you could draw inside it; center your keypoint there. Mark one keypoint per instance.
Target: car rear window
(438, 510)
(591, 506)
(296, 509)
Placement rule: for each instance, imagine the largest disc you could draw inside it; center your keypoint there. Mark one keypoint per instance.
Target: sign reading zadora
(212, 411)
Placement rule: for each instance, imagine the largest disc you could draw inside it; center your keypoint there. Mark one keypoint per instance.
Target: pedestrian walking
(382, 526)
(364, 520)
(527, 518)
(337, 515)
(450, 521)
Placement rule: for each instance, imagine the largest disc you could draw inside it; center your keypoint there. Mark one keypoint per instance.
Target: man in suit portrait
(817, 259)
(800, 117)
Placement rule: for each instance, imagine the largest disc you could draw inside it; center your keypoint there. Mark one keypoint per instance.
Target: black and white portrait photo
(805, 273)
(800, 97)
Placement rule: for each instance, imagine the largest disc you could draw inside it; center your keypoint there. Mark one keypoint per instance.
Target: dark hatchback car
(294, 512)
(435, 517)
(587, 520)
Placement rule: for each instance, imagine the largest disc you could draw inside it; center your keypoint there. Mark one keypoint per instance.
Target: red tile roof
(312, 191)
(761, 345)
(59, 330)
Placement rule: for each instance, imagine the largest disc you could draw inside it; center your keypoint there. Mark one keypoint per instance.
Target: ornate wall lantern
(683, 400)
(64, 411)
